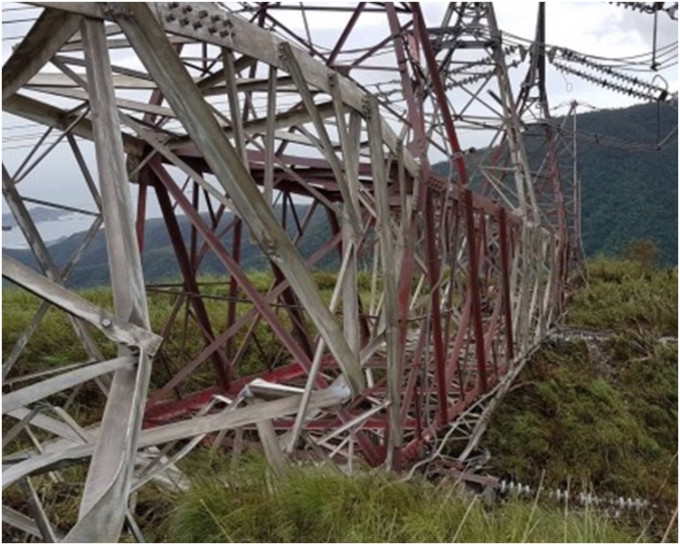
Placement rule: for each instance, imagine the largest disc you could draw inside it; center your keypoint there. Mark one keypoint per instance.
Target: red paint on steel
(474, 291)
(440, 93)
(437, 334)
(222, 365)
(505, 284)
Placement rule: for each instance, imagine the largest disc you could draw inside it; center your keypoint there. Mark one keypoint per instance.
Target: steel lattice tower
(228, 116)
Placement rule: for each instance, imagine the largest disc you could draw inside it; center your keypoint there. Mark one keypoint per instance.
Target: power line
(15, 21)
(24, 8)
(640, 59)
(650, 8)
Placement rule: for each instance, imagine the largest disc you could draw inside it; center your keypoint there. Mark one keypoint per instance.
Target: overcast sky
(596, 28)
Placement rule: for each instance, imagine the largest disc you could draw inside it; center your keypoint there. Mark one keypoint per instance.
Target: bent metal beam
(442, 291)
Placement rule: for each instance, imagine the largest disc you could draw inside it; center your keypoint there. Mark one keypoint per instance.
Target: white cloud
(595, 28)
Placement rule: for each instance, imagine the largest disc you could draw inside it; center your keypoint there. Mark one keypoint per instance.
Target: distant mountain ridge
(158, 258)
(39, 214)
(626, 195)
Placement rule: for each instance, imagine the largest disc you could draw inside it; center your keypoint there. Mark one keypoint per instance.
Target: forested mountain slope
(629, 194)
(629, 183)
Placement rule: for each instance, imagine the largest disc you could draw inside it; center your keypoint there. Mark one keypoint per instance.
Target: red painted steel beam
(372, 453)
(411, 450)
(473, 265)
(140, 221)
(440, 93)
(345, 33)
(222, 338)
(222, 365)
(505, 284)
(454, 360)
(231, 265)
(233, 284)
(437, 334)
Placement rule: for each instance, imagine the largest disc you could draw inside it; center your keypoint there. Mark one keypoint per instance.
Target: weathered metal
(261, 121)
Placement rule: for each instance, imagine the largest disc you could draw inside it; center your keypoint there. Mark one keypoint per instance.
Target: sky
(596, 28)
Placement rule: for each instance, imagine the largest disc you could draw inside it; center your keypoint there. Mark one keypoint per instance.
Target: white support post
(104, 503)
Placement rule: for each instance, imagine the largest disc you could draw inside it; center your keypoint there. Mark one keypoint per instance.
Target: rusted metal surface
(270, 130)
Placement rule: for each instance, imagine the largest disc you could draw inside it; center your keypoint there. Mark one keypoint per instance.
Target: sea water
(51, 231)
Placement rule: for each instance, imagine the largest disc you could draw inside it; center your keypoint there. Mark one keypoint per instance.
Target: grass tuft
(245, 503)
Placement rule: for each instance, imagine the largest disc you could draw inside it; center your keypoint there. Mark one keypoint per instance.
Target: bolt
(215, 18)
(170, 18)
(106, 322)
(366, 107)
(197, 25)
(202, 13)
(187, 9)
(224, 33)
(185, 21)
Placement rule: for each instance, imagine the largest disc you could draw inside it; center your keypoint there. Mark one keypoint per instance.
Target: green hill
(158, 258)
(629, 186)
(627, 194)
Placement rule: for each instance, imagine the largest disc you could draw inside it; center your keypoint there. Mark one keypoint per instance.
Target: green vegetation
(627, 296)
(627, 193)
(55, 343)
(245, 503)
(601, 414)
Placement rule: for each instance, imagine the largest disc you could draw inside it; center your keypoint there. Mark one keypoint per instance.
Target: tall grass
(319, 504)
(623, 294)
(601, 414)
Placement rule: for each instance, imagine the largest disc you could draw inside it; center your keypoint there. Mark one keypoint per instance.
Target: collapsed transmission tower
(230, 116)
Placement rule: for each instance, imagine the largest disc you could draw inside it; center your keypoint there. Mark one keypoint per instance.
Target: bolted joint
(284, 51)
(270, 249)
(119, 11)
(367, 107)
